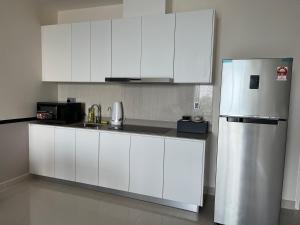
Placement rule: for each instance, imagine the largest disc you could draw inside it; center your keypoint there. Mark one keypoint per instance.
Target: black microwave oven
(60, 112)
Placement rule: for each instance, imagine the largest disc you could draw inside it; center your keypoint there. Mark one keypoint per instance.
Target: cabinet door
(194, 37)
(41, 150)
(65, 154)
(100, 50)
(184, 171)
(81, 52)
(126, 47)
(56, 52)
(146, 165)
(158, 46)
(87, 156)
(114, 161)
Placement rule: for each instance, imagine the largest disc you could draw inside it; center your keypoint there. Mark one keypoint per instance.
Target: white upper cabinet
(178, 46)
(87, 156)
(56, 52)
(184, 171)
(158, 46)
(64, 153)
(146, 165)
(81, 48)
(126, 47)
(41, 150)
(100, 50)
(194, 38)
(114, 161)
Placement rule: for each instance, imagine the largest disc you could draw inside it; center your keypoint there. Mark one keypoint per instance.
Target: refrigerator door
(251, 156)
(256, 88)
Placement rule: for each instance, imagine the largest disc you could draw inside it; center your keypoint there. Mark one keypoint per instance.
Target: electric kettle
(117, 115)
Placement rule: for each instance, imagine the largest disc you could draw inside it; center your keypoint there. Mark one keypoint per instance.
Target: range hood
(138, 80)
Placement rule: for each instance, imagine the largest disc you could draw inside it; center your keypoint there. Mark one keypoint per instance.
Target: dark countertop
(135, 129)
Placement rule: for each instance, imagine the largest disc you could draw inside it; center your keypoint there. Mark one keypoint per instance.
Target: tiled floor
(40, 202)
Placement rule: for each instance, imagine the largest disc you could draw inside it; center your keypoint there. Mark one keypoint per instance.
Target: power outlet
(196, 105)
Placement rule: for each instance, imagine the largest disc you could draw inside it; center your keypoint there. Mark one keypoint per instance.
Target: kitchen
(157, 102)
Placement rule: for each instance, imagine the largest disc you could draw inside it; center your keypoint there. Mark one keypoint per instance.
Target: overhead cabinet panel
(56, 52)
(100, 50)
(126, 47)
(194, 47)
(158, 46)
(81, 48)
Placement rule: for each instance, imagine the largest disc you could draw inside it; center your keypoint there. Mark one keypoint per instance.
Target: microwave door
(50, 110)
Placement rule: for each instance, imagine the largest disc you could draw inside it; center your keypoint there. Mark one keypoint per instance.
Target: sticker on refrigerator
(282, 73)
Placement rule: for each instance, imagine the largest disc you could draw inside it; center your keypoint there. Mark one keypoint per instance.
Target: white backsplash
(159, 102)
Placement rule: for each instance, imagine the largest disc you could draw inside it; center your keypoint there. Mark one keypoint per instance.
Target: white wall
(20, 60)
(143, 102)
(14, 152)
(20, 81)
(95, 13)
(134, 8)
(298, 190)
(250, 29)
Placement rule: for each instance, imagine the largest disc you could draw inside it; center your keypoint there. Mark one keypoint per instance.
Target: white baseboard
(6, 184)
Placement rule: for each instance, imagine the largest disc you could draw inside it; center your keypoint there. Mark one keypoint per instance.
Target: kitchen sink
(145, 129)
(90, 125)
(127, 128)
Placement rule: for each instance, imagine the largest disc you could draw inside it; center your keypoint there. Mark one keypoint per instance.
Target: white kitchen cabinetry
(87, 156)
(126, 47)
(100, 50)
(114, 161)
(194, 38)
(146, 165)
(56, 52)
(161, 167)
(64, 153)
(81, 49)
(41, 150)
(158, 46)
(184, 171)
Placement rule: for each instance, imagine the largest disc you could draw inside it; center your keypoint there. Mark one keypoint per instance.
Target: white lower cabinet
(146, 165)
(160, 167)
(41, 150)
(64, 162)
(87, 156)
(114, 161)
(184, 171)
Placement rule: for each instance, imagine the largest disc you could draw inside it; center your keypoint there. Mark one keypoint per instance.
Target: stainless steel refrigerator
(254, 111)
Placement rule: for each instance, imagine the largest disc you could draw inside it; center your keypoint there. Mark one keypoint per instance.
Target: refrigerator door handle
(253, 120)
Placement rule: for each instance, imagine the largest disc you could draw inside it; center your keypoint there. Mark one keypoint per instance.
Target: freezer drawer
(254, 87)
(250, 166)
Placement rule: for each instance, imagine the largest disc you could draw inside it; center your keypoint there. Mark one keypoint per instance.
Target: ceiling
(76, 4)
